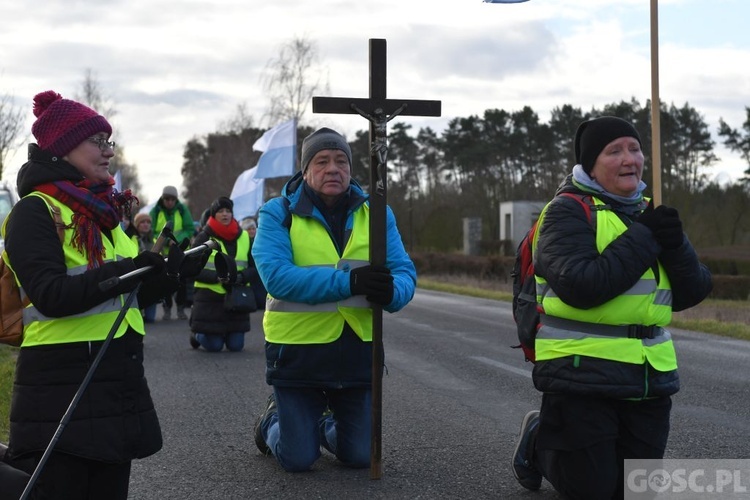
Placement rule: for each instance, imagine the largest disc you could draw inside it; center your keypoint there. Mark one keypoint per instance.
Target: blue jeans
(149, 314)
(214, 343)
(298, 429)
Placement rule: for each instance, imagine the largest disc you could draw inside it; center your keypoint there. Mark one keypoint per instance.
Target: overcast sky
(177, 69)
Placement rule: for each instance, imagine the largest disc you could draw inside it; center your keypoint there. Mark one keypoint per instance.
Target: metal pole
(655, 104)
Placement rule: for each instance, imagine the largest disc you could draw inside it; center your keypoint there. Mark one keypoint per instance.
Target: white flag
(247, 194)
(279, 146)
(118, 181)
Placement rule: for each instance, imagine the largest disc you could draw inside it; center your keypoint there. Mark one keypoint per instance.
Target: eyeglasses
(103, 143)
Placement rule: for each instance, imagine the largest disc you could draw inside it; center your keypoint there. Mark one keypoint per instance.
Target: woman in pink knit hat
(59, 269)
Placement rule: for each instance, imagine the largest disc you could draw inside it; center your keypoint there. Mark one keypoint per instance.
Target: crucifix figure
(378, 110)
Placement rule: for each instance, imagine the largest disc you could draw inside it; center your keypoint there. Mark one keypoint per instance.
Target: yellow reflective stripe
(31, 313)
(663, 297)
(551, 333)
(642, 287)
(277, 305)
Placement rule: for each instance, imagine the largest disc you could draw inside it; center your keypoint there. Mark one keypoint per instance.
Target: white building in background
(516, 217)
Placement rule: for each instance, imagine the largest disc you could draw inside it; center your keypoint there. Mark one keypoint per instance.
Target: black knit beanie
(593, 136)
(221, 202)
(321, 139)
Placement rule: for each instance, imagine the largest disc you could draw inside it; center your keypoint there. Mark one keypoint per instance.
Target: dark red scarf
(226, 233)
(94, 206)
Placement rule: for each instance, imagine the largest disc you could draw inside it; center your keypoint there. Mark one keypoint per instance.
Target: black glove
(375, 282)
(174, 260)
(669, 232)
(147, 258)
(650, 217)
(193, 264)
(226, 269)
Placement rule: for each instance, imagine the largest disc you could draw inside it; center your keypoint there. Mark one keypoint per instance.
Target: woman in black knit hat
(211, 326)
(609, 270)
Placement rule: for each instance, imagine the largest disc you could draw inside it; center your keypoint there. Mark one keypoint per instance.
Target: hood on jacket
(293, 192)
(44, 167)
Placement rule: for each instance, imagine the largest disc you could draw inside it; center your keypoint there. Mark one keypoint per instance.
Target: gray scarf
(631, 204)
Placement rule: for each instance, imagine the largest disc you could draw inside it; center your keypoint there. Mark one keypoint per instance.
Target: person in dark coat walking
(59, 268)
(211, 326)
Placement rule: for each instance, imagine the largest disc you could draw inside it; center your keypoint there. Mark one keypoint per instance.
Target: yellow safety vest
(91, 325)
(610, 330)
(161, 221)
(287, 322)
(243, 248)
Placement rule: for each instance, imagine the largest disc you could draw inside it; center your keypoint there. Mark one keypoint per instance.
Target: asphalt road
(453, 399)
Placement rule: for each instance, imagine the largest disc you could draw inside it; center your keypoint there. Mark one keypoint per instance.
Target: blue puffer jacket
(346, 362)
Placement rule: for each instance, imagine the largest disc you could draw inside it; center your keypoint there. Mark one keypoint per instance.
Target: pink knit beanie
(62, 124)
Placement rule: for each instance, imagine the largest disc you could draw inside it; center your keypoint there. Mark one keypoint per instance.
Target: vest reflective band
(300, 323)
(94, 324)
(645, 303)
(243, 248)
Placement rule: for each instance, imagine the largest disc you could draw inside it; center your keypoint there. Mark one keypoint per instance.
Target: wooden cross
(379, 111)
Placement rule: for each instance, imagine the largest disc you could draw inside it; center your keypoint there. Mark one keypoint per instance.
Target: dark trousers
(180, 297)
(65, 477)
(12, 482)
(582, 442)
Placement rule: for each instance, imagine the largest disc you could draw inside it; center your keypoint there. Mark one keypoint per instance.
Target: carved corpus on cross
(378, 110)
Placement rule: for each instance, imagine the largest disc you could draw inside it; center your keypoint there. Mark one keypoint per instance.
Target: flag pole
(655, 104)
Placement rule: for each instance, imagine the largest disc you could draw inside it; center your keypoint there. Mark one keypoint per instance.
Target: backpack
(11, 302)
(526, 310)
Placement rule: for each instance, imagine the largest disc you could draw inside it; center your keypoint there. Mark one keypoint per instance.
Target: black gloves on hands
(226, 269)
(669, 233)
(145, 259)
(664, 222)
(649, 217)
(375, 282)
(187, 267)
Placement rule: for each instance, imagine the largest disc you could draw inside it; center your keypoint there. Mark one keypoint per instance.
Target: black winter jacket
(567, 257)
(115, 421)
(207, 314)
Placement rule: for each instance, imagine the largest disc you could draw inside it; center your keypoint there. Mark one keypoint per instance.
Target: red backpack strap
(584, 200)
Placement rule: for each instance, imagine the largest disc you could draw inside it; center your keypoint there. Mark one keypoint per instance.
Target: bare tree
(92, 95)
(291, 79)
(241, 120)
(12, 120)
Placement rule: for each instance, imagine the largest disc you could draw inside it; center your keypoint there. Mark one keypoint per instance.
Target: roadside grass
(7, 368)
(720, 317)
